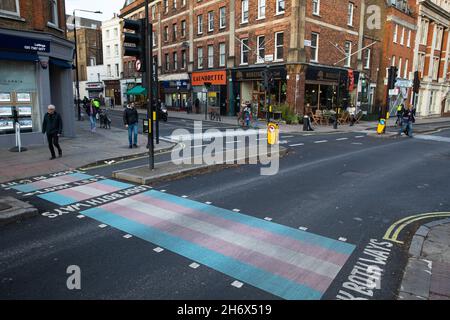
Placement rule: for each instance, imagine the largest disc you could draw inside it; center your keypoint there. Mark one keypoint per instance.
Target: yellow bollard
(272, 133)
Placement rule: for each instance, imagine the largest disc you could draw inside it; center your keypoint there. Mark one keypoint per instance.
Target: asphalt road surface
(324, 227)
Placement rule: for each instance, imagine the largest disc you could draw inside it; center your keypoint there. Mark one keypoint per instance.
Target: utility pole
(76, 62)
(149, 85)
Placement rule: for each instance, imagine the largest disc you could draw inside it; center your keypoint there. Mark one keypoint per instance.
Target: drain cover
(4, 206)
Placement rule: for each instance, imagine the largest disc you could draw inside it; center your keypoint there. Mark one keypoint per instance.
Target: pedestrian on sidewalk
(92, 111)
(197, 106)
(352, 112)
(408, 118)
(131, 120)
(52, 126)
(189, 106)
(400, 109)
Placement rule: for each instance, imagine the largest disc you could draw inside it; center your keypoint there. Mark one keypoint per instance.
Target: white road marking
(268, 219)
(19, 192)
(359, 137)
(342, 239)
(184, 196)
(303, 228)
(237, 284)
(208, 202)
(158, 249)
(321, 141)
(233, 142)
(284, 142)
(127, 236)
(432, 138)
(297, 145)
(341, 139)
(80, 216)
(194, 265)
(163, 190)
(203, 145)
(284, 137)
(236, 210)
(102, 226)
(357, 143)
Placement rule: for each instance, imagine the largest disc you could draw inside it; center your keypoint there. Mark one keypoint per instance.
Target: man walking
(92, 111)
(52, 126)
(407, 120)
(131, 120)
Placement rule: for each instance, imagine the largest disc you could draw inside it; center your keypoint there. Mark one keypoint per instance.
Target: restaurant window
(53, 12)
(314, 47)
(279, 43)
(280, 6)
(244, 51)
(261, 45)
(200, 58)
(222, 54)
(222, 17)
(348, 53)
(10, 7)
(210, 56)
(210, 21)
(244, 8)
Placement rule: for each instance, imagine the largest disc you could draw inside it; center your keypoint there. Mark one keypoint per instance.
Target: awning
(61, 63)
(138, 90)
(18, 56)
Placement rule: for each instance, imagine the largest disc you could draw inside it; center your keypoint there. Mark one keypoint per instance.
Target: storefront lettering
(214, 77)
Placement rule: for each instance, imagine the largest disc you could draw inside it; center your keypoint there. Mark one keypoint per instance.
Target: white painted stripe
(103, 226)
(297, 145)
(200, 146)
(285, 137)
(284, 142)
(158, 249)
(432, 138)
(237, 284)
(303, 228)
(268, 219)
(194, 265)
(236, 210)
(357, 143)
(359, 137)
(208, 202)
(321, 141)
(127, 236)
(80, 216)
(184, 196)
(341, 139)
(342, 239)
(163, 190)
(246, 242)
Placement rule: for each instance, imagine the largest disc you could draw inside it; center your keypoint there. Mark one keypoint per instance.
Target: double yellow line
(394, 230)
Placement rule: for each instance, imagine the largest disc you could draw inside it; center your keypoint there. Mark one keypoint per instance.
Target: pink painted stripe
(261, 261)
(103, 187)
(74, 194)
(68, 178)
(295, 245)
(41, 184)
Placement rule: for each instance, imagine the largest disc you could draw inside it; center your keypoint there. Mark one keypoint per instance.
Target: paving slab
(13, 210)
(416, 280)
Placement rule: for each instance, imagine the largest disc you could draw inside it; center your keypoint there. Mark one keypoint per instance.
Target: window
(437, 44)
(280, 6)
(421, 62)
(261, 9)
(153, 12)
(210, 21)
(117, 70)
(402, 37)
(244, 51)
(316, 7)
(174, 29)
(108, 34)
(408, 42)
(108, 70)
(53, 12)
(174, 4)
(166, 56)
(367, 59)
(10, 7)
(92, 61)
(183, 3)
(351, 8)
(393, 61)
(116, 32)
(395, 33)
(116, 50)
(175, 61)
(222, 55)
(279, 39)
(183, 28)
(108, 51)
(166, 33)
(400, 62)
(435, 68)
(222, 17)
(424, 32)
(166, 6)
(154, 40)
(405, 75)
(348, 52)
(199, 24)
(200, 58)
(183, 59)
(244, 6)
(314, 47)
(261, 49)
(210, 56)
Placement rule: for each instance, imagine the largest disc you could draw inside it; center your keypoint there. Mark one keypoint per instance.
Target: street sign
(401, 83)
(394, 92)
(138, 65)
(308, 43)
(268, 57)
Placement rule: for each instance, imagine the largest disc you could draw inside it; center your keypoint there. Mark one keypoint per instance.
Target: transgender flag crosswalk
(283, 261)
(51, 182)
(84, 192)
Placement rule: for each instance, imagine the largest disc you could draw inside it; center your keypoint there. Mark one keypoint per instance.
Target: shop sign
(183, 84)
(22, 43)
(268, 57)
(213, 77)
(256, 74)
(94, 86)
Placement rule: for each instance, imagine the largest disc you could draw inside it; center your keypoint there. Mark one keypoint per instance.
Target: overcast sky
(108, 7)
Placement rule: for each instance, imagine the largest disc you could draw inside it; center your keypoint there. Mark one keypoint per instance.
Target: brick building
(35, 68)
(320, 52)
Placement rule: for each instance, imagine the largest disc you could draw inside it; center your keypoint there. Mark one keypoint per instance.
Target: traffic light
(134, 43)
(393, 75)
(271, 81)
(416, 83)
(265, 75)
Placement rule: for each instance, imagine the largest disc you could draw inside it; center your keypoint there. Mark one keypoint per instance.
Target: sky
(108, 7)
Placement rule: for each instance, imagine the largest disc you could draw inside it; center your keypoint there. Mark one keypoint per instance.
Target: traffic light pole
(149, 85)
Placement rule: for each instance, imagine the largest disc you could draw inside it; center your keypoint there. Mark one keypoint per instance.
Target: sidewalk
(86, 148)
(427, 274)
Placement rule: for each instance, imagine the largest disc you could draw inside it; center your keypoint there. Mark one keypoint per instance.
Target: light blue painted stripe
(81, 176)
(30, 187)
(338, 246)
(57, 198)
(117, 184)
(25, 187)
(261, 279)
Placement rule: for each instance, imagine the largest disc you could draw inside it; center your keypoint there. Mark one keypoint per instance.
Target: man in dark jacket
(131, 120)
(52, 126)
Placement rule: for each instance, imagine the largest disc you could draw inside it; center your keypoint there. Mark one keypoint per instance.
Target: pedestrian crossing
(51, 182)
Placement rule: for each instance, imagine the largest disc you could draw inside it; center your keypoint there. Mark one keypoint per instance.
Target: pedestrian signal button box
(272, 133)
(381, 126)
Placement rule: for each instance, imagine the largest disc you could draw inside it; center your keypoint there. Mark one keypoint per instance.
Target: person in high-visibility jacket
(400, 110)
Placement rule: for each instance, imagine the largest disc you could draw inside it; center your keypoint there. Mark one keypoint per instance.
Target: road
(313, 231)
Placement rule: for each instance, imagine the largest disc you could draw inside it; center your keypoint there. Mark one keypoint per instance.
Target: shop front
(210, 88)
(249, 84)
(35, 71)
(329, 88)
(112, 91)
(94, 89)
(176, 93)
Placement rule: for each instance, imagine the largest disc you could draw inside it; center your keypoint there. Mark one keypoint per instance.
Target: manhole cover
(4, 206)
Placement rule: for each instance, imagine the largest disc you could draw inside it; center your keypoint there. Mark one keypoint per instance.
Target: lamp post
(76, 56)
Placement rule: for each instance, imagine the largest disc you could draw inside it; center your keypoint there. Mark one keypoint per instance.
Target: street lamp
(76, 56)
